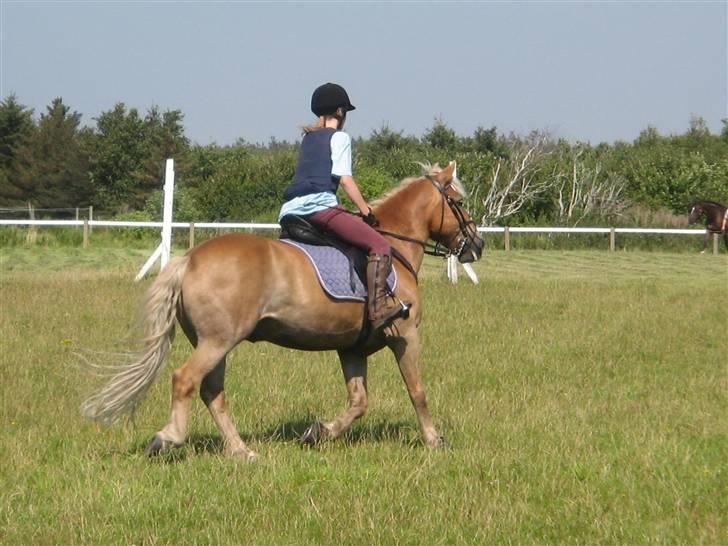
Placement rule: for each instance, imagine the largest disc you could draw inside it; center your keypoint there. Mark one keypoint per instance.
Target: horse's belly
(311, 336)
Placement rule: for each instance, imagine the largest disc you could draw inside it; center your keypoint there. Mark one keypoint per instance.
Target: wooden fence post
(716, 240)
(85, 233)
(32, 235)
(192, 234)
(612, 242)
(506, 238)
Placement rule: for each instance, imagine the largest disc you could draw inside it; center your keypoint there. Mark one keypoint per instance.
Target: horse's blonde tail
(130, 382)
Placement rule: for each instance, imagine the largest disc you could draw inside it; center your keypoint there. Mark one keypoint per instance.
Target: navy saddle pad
(334, 271)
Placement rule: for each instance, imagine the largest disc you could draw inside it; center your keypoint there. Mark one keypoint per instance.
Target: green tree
(440, 136)
(60, 164)
(129, 154)
(384, 140)
(17, 129)
(164, 138)
(487, 141)
(117, 155)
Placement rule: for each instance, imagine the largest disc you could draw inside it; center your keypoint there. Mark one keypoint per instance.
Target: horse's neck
(406, 213)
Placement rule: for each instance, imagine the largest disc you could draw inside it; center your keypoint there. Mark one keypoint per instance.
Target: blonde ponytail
(320, 123)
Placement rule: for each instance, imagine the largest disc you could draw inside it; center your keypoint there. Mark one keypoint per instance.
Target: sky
(584, 71)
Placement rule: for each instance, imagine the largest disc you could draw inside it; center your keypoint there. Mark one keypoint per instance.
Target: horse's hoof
(157, 446)
(242, 453)
(313, 434)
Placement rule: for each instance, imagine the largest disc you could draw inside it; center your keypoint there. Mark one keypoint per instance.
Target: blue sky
(590, 71)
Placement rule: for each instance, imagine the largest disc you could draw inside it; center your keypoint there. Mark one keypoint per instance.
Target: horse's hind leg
(185, 381)
(354, 366)
(213, 395)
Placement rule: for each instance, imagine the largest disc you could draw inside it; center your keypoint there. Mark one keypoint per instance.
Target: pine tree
(16, 133)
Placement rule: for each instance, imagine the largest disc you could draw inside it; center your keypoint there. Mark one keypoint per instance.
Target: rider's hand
(370, 219)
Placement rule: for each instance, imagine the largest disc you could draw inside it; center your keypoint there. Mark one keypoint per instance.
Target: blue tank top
(313, 171)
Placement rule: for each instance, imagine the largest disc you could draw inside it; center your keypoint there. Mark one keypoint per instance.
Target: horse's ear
(449, 172)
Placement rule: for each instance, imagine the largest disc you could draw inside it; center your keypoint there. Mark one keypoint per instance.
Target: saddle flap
(334, 271)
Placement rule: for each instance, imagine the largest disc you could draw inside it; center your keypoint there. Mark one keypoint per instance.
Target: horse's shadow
(360, 433)
(291, 431)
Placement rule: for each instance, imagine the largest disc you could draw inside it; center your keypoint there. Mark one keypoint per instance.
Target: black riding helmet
(327, 98)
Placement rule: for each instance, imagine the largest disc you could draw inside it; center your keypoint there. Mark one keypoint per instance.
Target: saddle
(298, 229)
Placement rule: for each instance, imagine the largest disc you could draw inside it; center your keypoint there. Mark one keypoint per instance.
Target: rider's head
(331, 100)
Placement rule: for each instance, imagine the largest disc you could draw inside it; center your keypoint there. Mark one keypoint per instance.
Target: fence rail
(192, 226)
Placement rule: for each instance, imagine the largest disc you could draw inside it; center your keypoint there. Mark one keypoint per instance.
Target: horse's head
(450, 224)
(695, 212)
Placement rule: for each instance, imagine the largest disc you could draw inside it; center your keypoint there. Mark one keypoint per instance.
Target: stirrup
(403, 312)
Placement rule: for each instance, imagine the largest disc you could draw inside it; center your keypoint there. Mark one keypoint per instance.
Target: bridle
(466, 228)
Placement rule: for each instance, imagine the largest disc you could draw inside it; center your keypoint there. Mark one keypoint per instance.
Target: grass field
(583, 394)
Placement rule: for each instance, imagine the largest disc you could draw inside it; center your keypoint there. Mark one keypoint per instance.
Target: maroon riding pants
(351, 228)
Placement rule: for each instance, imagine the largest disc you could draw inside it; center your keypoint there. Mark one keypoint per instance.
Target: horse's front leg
(354, 366)
(406, 350)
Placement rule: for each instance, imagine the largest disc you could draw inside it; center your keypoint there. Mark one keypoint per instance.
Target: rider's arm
(352, 191)
(341, 167)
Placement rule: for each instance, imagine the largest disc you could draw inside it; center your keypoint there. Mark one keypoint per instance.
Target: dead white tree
(587, 191)
(517, 180)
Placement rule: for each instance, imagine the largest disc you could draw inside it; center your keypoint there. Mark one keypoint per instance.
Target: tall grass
(584, 395)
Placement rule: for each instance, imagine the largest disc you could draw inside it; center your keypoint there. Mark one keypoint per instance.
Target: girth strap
(405, 262)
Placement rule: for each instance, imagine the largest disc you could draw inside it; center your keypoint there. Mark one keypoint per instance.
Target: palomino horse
(242, 287)
(716, 218)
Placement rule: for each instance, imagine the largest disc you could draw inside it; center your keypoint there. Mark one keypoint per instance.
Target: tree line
(117, 165)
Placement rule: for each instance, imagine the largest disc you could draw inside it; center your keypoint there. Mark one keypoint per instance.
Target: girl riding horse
(242, 286)
(324, 163)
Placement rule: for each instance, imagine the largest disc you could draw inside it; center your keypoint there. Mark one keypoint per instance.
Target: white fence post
(167, 215)
(165, 247)
(452, 269)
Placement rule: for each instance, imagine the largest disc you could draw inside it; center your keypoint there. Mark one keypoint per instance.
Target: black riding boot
(382, 309)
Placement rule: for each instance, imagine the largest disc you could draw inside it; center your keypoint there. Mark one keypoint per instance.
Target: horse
(239, 287)
(716, 218)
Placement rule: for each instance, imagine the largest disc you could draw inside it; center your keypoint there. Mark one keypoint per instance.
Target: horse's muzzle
(472, 250)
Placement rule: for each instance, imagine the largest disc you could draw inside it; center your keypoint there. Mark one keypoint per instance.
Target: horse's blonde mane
(428, 170)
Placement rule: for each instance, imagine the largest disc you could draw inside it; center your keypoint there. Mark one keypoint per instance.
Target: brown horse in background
(243, 287)
(716, 219)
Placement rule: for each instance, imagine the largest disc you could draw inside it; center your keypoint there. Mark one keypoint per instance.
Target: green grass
(583, 393)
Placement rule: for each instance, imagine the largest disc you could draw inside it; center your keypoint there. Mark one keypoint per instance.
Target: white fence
(451, 265)
(192, 226)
